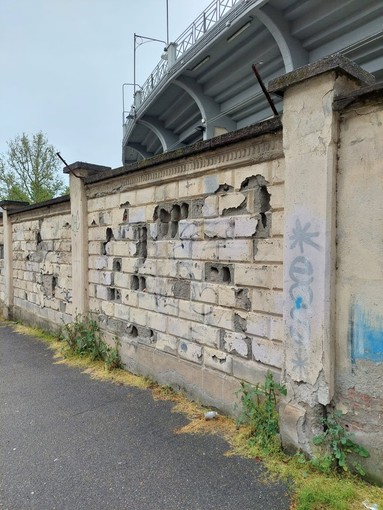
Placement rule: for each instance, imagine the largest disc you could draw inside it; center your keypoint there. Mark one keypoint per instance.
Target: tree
(29, 170)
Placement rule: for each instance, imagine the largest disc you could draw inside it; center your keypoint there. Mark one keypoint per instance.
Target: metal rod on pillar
(167, 22)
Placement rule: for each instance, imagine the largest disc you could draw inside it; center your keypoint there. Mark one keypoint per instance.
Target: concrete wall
(359, 290)
(258, 250)
(41, 265)
(2, 275)
(185, 266)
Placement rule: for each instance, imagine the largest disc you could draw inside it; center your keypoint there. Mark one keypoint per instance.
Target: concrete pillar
(172, 54)
(310, 135)
(8, 206)
(79, 212)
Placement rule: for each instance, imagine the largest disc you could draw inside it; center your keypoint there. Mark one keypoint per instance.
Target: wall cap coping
(365, 94)
(335, 62)
(9, 205)
(40, 205)
(89, 168)
(262, 128)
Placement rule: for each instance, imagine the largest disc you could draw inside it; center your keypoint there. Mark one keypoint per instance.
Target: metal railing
(209, 17)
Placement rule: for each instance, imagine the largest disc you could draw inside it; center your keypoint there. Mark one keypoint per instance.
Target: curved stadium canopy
(204, 85)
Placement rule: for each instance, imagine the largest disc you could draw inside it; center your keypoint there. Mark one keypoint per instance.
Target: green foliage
(337, 444)
(29, 170)
(326, 493)
(259, 411)
(83, 338)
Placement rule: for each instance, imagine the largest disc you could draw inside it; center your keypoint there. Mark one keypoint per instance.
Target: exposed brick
(190, 351)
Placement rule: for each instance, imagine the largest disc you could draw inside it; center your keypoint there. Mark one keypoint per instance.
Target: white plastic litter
(370, 506)
(211, 415)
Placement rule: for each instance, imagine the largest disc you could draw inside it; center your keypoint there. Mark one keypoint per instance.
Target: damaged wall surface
(258, 250)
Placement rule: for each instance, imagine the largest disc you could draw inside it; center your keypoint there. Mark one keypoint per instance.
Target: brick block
(229, 201)
(205, 250)
(190, 351)
(238, 250)
(222, 228)
(178, 327)
(147, 301)
(192, 310)
(258, 325)
(167, 343)
(268, 250)
(278, 171)
(268, 352)
(219, 317)
(191, 187)
(277, 196)
(251, 371)
(128, 198)
(245, 226)
(204, 334)
(237, 343)
(180, 249)
(253, 275)
(218, 360)
(277, 329)
(156, 321)
(168, 268)
(145, 195)
(190, 229)
(277, 277)
(204, 292)
(210, 207)
(167, 305)
(188, 269)
(166, 192)
(269, 301)
(277, 223)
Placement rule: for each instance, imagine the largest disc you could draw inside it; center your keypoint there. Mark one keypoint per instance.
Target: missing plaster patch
(114, 294)
(240, 323)
(117, 264)
(138, 282)
(181, 289)
(219, 273)
(142, 244)
(242, 299)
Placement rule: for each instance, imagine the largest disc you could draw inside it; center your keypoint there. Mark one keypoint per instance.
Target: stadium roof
(204, 84)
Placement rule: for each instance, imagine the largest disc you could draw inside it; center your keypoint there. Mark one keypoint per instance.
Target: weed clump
(84, 338)
(337, 445)
(259, 409)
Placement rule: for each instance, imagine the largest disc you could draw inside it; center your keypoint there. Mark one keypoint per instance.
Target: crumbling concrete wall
(185, 267)
(258, 250)
(359, 290)
(42, 280)
(2, 279)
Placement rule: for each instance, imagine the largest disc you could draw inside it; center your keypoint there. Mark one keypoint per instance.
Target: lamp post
(123, 98)
(142, 41)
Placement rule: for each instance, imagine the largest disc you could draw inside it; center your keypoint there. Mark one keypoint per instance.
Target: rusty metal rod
(264, 89)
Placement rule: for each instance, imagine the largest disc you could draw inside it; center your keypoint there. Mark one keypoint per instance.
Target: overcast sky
(63, 63)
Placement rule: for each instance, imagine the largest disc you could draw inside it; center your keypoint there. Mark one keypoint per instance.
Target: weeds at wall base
(310, 489)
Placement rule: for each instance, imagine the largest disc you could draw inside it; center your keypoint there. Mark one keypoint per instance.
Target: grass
(309, 489)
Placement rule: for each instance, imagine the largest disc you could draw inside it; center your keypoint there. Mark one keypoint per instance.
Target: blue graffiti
(366, 335)
(298, 303)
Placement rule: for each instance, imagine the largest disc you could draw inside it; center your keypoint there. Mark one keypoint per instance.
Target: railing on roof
(209, 17)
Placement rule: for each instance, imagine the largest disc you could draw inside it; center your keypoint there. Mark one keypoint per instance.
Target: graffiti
(366, 334)
(301, 274)
(301, 236)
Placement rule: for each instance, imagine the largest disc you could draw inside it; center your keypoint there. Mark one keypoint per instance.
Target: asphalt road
(70, 442)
